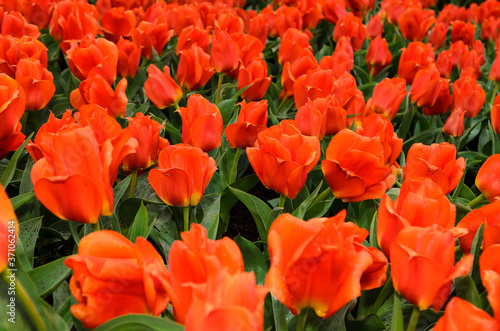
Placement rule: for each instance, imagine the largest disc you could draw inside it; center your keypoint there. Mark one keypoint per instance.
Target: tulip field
(246, 165)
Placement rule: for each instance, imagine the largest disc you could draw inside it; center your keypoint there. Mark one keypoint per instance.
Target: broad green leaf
(476, 252)
(253, 258)
(26, 184)
(370, 322)
(28, 234)
(467, 290)
(397, 315)
(301, 210)
(48, 276)
(210, 204)
(140, 226)
(8, 174)
(21, 199)
(259, 209)
(134, 322)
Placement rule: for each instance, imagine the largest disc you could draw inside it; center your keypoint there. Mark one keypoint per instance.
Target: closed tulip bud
(251, 120)
(151, 36)
(444, 64)
(113, 276)
(255, 75)
(129, 58)
(438, 35)
(454, 125)
(224, 55)
(495, 70)
(422, 265)
(201, 123)
(300, 276)
(282, 157)
(378, 55)
(161, 88)
(354, 107)
(375, 27)
(320, 117)
(387, 97)
(460, 312)
(490, 28)
(13, 102)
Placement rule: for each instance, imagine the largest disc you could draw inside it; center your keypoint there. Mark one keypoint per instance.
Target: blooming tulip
(251, 120)
(224, 55)
(414, 23)
(320, 117)
(113, 277)
(129, 57)
(161, 88)
(468, 95)
(490, 216)
(387, 97)
(351, 27)
(487, 180)
(489, 269)
(72, 20)
(255, 75)
(183, 174)
(13, 102)
(9, 228)
(329, 267)
(460, 313)
(416, 56)
(118, 22)
(37, 82)
(194, 68)
(282, 157)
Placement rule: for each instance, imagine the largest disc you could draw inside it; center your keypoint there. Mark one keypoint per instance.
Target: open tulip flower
(9, 229)
(487, 180)
(490, 275)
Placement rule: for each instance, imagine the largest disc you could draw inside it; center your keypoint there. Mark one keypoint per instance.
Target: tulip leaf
(133, 322)
(210, 204)
(397, 323)
(467, 290)
(139, 227)
(370, 322)
(259, 209)
(48, 276)
(21, 199)
(279, 311)
(26, 185)
(476, 252)
(253, 258)
(174, 134)
(300, 211)
(118, 191)
(28, 234)
(8, 174)
(226, 108)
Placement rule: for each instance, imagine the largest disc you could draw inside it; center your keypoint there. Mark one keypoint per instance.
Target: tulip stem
(494, 94)
(27, 303)
(282, 103)
(372, 71)
(282, 201)
(96, 227)
(186, 219)
(475, 202)
(133, 182)
(234, 167)
(219, 85)
(301, 323)
(24, 120)
(413, 319)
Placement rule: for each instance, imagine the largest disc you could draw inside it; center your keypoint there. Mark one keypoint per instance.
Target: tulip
(320, 117)
(161, 88)
(72, 20)
(293, 42)
(454, 125)
(438, 35)
(147, 133)
(37, 12)
(426, 87)
(457, 50)
(460, 313)
(495, 70)
(201, 123)
(9, 228)
(113, 277)
(375, 27)
(340, 62)
(316, 84)
(13, 102)
(437, 162)
(224, 55)
(487, 180)
(286, 18)
(334, 10)
(74, 171)
(196, 260)
(351, 27)
(250, 47)
(378, 55)
(291, 71)
(471, 62)
(152, 36)
(415, 57)
(12, 142)
(183, 174)
(251, 120)
(354, 107)
(465, 32)
(355, 167)
(387, 97)
(468, 95)
(193, 35)
(129, 57)
(420, 203)
(117, 23)
(15, 24)
(12, 50)
(194, 69)
(490, 28)
(37, 82)
(255, 75)
(329, 268)
(489, 269)
(422, 265)
(181, 17)
(360, 8)
(495, 118)
(282, 157)
(414, 23)
(443, 64)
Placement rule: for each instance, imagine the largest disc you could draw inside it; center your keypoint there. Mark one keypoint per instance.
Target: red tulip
(161, 88)
(460, 313)
(375, 27)
(378, 55)
(293, 42)
(387, 97)
(255, 75)
(193, 35)
(224, 55)
(414, 23)
(495, 118)
(465, 32)
(9, 229)
(117, 23)
(251, 120)
(12, 142)
(320, 117)
(490, 276)
(194, 69)
(468, 95)
(351, 27)
(15, 24)
(129, 58)
(415, 57)
(454, 125)
(72, 20)
(487, 180)
(13, 102)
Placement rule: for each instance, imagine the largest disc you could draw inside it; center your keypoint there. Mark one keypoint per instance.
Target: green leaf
(476, 252)
(28, 234)
(21, 199)
(134, 322)
(26, 184)
(370, 322)
(140, 226)
(467, 290)
(111, 222)
(210, 204)
(226, 108)
(301, 210)
(48, 276)
(397, 315)
(253, 257)
(11, 167)
(259, 209)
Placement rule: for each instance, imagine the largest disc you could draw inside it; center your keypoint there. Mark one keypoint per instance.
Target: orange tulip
(457, 50)
(443, 64)
(422, 265)
(183, 174)
(334, 10)
(193, 35)
(320, 117)
(487, 180)
(354, 107)
(9, 228)
(460, 313)
(468, 95)
(118, 22)
(355, 167)
(255, 75)
(224, 55)
(340, 62)
(113, 277)
(12, 142)
(378, 55)
(495, 70)
(251, 120)
(181, 17)
(129, 58)
(293, 42)
(387, 97)
(161, 88)
(93, 57)
(286, 18)
(250, 47)
(375, 27)
(454, 125)
(414, 23)
(197, 260)
(151, 36)
(74, 171)
(282, 157)
(329, 268)
(438, 35)
(490, 28)
(465, 32)
(147, 133)
(13, 102)
(420, 203)
(15, 24)
(437, 162)
(194, 69)
(72, 20)
(313, 85)
(12, 50)
(495, 118)
(426, 87)
(37, 82)
(490, 276)
(97, 91)
(291, 71)
(37, 12)
(351, 27)
(415, 57)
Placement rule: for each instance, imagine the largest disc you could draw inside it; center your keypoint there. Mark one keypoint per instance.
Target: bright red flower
(291, 71)
(415, 23)
(444, 64)
(251, 120)
(72, 20)
(438, 35)
(282, 157)
(487, 180)
(495, 70)
(495, 114)
(465, 32)
(194, 69)
(15, 24)
(129, 58)
(351, 27)
(460, 313)
(454, 125)
(320, 117)
(427, 87)
(152, 35)
(286, 18)
(387, 97)
(117, 23)
(201, 123)
(375, 27)
(415, 57)
(378, 55)
(255, 75)
(113, 276)
(329, 268)
(13, 101)
(37, 82)
(292, 45)
(161, 88)
(193, 35)
(468, 95)
(224, 55)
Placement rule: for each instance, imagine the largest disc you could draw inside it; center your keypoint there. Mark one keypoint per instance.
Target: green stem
(431, 121)
(74, 232)
(133, 182)
(219, 85)
(282, 201)
(186, 219)
(372, 71)
(27, 303)
(413, 319)
(475, 202)
(234, 167)
(494, 95)
(282, 103)
(24, 120)
(382, 295)
(96, 226)
(301, 323)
